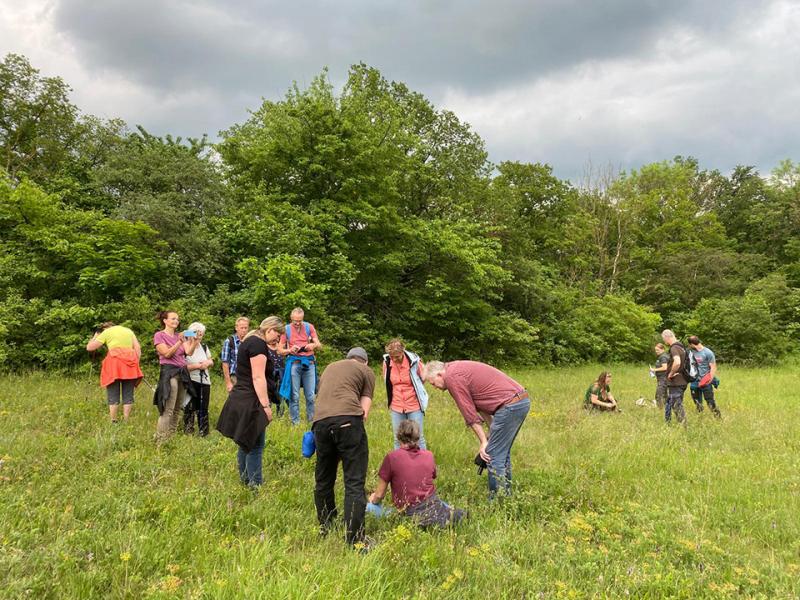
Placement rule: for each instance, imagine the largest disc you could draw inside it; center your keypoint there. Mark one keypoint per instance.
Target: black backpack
(688, 365)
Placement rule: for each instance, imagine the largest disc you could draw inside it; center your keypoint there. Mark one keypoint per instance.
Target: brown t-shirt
(679, 380)
(340, 389)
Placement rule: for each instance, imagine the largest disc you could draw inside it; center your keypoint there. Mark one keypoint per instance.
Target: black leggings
(201, 396)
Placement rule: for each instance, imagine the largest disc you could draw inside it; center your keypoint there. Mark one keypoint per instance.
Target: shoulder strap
(288, 333)
(308, 331)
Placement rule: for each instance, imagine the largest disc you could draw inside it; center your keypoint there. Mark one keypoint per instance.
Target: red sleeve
(385, 472)
(282, 343)
(460, 393)
(312, 331)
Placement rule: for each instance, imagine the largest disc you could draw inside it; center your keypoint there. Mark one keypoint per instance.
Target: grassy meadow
(605, 505)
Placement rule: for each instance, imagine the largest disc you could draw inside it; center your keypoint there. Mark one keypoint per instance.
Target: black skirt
(242, 418)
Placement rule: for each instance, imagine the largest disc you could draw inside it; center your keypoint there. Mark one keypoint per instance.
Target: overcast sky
(620, 82)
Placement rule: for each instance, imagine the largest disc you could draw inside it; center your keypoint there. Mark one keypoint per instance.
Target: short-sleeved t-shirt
(249, 348)
(477, 386)
(679, 380)
(703, 358)
(299, 337)
(179, 358)
(117, 337)
(340, 389)
(593, 389)
(663, 359)
(410, 472)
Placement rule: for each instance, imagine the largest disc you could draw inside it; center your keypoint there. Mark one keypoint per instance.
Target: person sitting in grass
(411, 471)
(599, 396)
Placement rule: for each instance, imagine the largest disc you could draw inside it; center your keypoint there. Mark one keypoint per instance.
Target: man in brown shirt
(676, 382)
(483, 393)
(343, 403)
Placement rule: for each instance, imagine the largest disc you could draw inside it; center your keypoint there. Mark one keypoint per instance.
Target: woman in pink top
(403, 374)
(411, 471)
(172, 348)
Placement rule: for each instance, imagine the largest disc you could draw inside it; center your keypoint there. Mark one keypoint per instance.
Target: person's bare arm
(94, 344)
(169, 351)
(486, 417)
(226, 373)
(190, 345)
(477, 428)
(315, 343)
(258, 366)
(380, 491)
(676, 365)
(366, 404)
(661, 368)
(596, 400)
(713, 369)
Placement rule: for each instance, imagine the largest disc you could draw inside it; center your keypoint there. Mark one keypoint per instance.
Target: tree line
(382, 216)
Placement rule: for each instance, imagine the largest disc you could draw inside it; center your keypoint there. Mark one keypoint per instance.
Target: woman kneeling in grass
(411, 472)
(598, 396)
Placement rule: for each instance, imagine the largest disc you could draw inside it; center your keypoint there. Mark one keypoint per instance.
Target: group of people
(275, 361)
(269, 365)
(483, 394)
(184, 384)
(677, 367)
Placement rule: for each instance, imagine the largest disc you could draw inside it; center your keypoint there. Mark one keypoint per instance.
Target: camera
(189, 333)
(480, 463)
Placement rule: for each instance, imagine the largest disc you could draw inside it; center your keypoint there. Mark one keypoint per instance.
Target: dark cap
(359, 353)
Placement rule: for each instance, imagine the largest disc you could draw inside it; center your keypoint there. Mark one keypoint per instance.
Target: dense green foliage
(605, 506)
(382, 216)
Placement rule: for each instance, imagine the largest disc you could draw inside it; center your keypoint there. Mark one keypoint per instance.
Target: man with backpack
(678, 377)
(703, 387)
(298, 343)
(230, 348)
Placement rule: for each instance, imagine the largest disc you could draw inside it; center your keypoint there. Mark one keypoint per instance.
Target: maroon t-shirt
(477, 386)
(410, 472)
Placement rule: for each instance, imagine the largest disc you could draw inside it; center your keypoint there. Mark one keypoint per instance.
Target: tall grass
(605, 505)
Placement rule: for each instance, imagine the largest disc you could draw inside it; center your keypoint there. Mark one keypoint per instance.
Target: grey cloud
(475, 44)
(200, 65)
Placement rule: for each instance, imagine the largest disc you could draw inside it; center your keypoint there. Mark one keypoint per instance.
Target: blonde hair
(395, 344)
(267, 324)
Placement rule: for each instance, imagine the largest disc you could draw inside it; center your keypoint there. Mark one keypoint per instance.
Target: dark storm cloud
(619, 82)
(258, 46)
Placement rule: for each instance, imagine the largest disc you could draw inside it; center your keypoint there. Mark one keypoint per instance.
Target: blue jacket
(286, 382)
(419, 387)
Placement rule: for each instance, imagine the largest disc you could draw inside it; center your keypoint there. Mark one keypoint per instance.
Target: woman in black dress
(246, 413)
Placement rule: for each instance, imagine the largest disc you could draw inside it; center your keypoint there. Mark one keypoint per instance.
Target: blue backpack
(289, 332)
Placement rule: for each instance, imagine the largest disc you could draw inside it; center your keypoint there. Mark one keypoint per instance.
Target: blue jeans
(307, 377)
(675, 404)
(250, 462)
(417, 416)
(505, 426)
